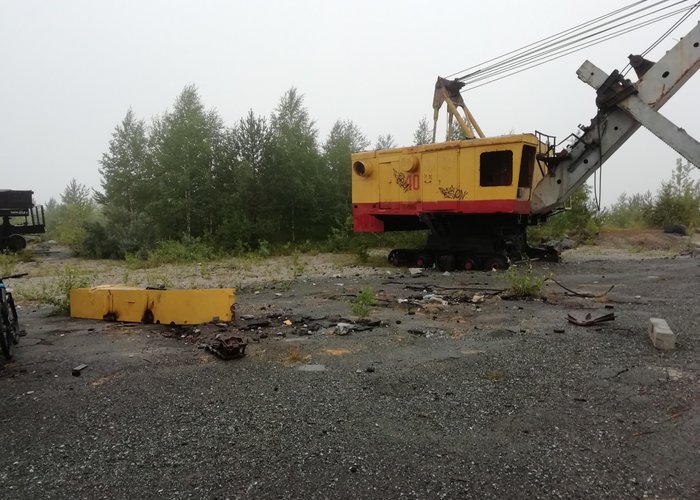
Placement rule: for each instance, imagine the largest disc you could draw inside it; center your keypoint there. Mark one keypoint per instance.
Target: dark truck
(19, 217)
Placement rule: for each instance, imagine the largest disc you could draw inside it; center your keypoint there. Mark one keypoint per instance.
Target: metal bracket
(614, 90)
(628, 100)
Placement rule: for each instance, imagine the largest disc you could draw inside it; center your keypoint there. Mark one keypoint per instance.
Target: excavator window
(496, 168)
(527, 166)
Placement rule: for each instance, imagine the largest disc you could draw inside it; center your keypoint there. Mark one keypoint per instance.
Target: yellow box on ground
(142, 305)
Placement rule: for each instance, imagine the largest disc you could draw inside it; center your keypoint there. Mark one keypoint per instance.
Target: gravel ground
(452, 399)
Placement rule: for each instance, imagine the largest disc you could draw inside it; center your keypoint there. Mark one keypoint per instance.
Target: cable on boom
(602, 28)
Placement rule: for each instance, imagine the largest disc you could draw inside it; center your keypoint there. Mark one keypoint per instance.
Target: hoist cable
(675, 25)
(583, 43)
(562, 52)
(543, 48)
(605, 16)
(545, 51)
(670, 30)
(577, 39)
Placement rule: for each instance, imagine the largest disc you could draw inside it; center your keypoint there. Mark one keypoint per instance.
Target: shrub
(56, 291)
(8, 262)
(524, 283)
(362, 304)
(100, 243)
(174, 252)
(362, 254)
(578, 221)
(298, 265)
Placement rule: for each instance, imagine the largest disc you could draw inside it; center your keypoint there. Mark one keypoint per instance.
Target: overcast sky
(71, 69)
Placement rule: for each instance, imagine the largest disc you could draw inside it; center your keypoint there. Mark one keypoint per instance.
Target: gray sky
(71, 69)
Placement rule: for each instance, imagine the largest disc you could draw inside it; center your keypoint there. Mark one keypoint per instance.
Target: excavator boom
(623, 108)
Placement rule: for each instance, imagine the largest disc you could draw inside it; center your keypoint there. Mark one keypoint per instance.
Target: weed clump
(8, 262)
(524, 284)
(56, 291)
(363, 303)
(298, 265)
(174, 252)
(495, 375)
(295, 354)
(362, 254)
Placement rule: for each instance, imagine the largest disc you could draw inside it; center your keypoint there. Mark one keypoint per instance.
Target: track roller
(446, 262)
(497, 262)
(468, 263)
(423, 260)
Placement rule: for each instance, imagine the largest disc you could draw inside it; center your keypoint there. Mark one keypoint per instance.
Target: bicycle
(9, 322)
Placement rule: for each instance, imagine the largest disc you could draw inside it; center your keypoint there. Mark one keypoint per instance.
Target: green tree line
(186, 177)
(676, 202)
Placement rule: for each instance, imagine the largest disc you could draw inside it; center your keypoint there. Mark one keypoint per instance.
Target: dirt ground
(446, 390)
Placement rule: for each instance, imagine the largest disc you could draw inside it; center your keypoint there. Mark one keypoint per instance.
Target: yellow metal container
(131, 304)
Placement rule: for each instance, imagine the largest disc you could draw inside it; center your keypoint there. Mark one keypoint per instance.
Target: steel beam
(611, 128)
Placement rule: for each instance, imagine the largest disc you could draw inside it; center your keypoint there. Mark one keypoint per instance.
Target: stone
(311, 368)
(343, 328)
(661, 335)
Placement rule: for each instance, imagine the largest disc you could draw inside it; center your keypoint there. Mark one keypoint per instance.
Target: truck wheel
(424, 260)
(16, 243)
(394, 258)
(446, 262)
(497, 262)
(468, 263)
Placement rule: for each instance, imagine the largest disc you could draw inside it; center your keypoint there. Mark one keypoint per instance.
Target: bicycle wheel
(6, 331)
(14, 319)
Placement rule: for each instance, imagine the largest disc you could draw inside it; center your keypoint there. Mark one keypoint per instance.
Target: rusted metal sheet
(227, 347)
(589, 319)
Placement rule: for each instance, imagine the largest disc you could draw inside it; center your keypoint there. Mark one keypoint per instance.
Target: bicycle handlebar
(20, 275)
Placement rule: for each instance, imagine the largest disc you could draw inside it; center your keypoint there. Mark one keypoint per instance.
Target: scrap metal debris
(77, 369)
(252, 324)
(428, 332)
(343, 328)
(589, 319)
(227, 347)
(582, 294)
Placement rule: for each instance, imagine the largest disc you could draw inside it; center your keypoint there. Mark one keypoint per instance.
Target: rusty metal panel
(130, 304)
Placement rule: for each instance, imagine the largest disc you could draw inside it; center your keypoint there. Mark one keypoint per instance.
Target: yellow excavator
(477, 196)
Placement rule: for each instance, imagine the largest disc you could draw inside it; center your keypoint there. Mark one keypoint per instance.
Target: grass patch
(295, 354)
(298, 265)
(156, 279)
(8, 263)
(362, 254)
(363, 303)
(174, 252)
(495, 375)
(524, 283)
(56, 291)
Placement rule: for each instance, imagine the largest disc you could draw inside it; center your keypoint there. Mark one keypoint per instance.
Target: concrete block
(661, 335)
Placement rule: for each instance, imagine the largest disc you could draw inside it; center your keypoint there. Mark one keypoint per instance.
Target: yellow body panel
(439, 172)
(179, 307)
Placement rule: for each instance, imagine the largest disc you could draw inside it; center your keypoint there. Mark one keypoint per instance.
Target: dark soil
(434, 396)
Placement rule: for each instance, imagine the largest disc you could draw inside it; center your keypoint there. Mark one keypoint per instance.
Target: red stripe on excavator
(365, 220)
